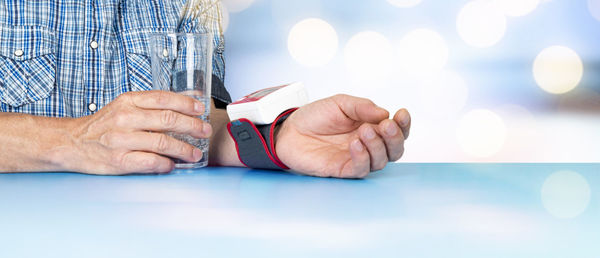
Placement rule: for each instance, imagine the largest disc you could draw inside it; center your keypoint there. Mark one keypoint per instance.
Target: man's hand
(342, 136)
(127, 136)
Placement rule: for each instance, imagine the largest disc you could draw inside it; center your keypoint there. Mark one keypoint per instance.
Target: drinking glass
(182, 63)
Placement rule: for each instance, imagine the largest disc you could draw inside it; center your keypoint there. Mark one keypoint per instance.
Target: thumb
(360, 109)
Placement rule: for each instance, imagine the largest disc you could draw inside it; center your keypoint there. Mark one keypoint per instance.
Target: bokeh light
(565, 194)
(413, 72)
(369, 55)
(481, 23)
(423, 52)
(313, 42)
(404, 3)
(481, 133)
(517, 7)
(558, 69)
(236, 6)
(594, 6)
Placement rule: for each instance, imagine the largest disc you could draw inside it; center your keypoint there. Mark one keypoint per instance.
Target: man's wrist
(222, 147)
(62, 152)
(255, 144)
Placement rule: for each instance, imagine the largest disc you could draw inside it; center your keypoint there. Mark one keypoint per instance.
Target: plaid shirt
(72, 57)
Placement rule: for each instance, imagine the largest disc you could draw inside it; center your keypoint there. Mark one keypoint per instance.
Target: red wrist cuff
(255, 145)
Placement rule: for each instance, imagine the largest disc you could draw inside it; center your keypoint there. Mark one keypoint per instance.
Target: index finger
(161, 100)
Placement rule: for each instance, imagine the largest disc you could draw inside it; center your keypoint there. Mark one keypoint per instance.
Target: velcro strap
(255, 144)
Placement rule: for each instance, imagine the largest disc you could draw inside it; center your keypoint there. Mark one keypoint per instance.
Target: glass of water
(182, 63)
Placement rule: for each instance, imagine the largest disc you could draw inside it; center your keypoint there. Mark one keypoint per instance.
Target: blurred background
(485, 80)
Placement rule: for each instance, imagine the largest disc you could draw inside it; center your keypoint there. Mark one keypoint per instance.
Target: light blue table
(408, 210)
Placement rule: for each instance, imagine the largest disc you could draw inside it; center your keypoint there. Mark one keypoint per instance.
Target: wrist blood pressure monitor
(263, 106)
(254, 119)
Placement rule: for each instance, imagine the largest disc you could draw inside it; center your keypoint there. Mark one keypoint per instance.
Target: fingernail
(198, 107)
(391, 129)
(370, 133)
(206, 128)
(405, 118)
(357, 145)
(197, 154)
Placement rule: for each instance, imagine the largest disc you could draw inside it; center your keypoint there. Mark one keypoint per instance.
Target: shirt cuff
(220, 94)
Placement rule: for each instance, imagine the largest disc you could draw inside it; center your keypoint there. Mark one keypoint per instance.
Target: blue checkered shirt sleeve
(69, 58)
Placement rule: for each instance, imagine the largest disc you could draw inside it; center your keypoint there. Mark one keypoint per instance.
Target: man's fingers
(375, 146)
(154, 143)
(358, 166)
(360, 109)
(138, 162)
(402, 117)
(161, 100)
(170, 121)
(393, 138)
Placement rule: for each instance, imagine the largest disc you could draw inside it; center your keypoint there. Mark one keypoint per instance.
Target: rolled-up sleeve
(219, 92)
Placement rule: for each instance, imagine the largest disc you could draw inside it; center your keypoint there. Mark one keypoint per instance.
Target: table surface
(407, 210)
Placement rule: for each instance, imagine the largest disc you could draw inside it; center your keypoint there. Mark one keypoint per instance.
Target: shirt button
(94, 45)
(165, 52)
(92, 107)
(19, 52)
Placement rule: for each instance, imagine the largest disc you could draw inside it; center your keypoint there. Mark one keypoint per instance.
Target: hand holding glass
(182, 63)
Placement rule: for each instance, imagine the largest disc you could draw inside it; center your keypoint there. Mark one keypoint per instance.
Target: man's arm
(30, 143)
(340, 136)
(124, 137)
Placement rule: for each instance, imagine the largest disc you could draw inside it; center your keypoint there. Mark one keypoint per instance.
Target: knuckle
(197, 124)
(162, 143)
(168, 118)
(125, 98)
(122, 160)
(122, 118)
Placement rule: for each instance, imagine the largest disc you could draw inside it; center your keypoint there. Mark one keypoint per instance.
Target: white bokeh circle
(369, 55)
(313, 42)
(517, 7)
(236, 6)
(558, 69)
(481, 133)
(594, 7)
(481, 23)
(404, 3)
(422, 52)
(565, 194)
